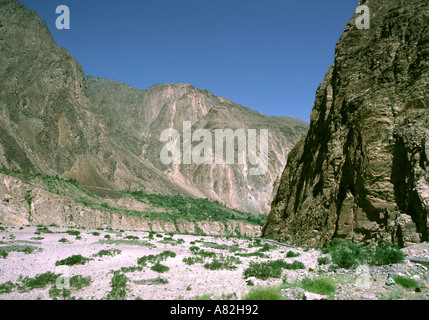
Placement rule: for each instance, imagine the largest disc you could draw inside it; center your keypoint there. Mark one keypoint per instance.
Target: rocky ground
(30, 251)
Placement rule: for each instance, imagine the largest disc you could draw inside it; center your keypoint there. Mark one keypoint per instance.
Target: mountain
(361, 173)
(55, 120)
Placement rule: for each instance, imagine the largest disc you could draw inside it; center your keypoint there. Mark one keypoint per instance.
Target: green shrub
(387, 253)
(291, 254)
(261, 293)
(263, 270)
(323, 260)
(73, 232)
(73, 260)
(346, 254)
(160, 268)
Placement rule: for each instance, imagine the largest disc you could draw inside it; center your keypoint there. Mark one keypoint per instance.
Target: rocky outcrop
(105, 134)
(362, 171)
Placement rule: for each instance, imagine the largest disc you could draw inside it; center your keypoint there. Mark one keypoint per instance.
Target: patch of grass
(155, 281)
(16, 248)
(127, 242)
(131, 269)
(264, 293)
(324, 286)
(109, 252)
(406, 283)
(252, 254)
(214, 245)
(73, 260)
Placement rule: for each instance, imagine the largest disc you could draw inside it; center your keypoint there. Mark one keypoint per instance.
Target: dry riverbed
(112, 258)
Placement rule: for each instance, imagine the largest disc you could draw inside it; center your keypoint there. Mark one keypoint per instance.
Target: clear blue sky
(268, 55)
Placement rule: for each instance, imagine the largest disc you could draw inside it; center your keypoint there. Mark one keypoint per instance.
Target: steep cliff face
(362, 171)
(106, 135)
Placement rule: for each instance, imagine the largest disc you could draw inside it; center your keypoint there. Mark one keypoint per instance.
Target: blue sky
(268, 55)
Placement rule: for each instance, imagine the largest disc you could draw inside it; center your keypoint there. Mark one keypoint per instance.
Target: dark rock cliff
(362, 171)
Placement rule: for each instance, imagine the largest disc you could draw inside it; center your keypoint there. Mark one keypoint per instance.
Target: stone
(298, 293)
(389, 280)
(416, 278)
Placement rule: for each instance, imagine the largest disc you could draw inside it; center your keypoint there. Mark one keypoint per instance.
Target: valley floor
(176, 267)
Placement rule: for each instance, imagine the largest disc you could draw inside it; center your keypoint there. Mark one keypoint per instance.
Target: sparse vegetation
(193, 209)
(270, 269)
(109, 252)
(118, 284)
(223, 262)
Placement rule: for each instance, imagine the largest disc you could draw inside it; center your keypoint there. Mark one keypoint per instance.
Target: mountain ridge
(105, 134)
